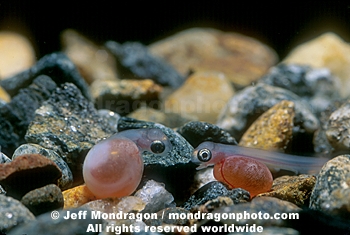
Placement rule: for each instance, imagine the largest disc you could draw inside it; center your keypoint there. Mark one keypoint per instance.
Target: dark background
(280, 26)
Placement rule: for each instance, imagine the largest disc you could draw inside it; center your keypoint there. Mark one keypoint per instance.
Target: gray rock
(315, 85)
(213, 190)
(68, 124)
(44, 199)
(331, 192)
(248, 104)
(155, 196)
(44, 224)
(16, 116)
(198, 132)
(57, 66)
(13, 213)
(338, 127)
(111, 117)
(271, 231)
(140, 63)
(66, 180)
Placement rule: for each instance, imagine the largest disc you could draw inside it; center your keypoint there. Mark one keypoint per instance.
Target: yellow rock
(16, 54)
(203, 95)
(4, 96)
(327, 50)
(273, 129)
(77, 196)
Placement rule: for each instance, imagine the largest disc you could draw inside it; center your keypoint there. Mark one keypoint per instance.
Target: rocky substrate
(198, 85)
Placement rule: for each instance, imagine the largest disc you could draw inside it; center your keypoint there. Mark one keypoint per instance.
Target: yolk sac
(243, 172)
(113, 168)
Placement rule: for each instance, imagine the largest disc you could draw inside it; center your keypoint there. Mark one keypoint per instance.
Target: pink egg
(113, 168)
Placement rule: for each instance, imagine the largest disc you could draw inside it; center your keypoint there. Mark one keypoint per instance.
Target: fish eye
(157, 146)
(204, 155)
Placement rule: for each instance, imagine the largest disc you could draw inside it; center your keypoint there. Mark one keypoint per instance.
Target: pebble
(317, 86)
(248, 104)
(57, 66)
(155, 196)
(197, 132)
(137, 62)
(262, 205)
(66, 180)
(77, 196)
(128, 204)
(68, 124)
(17, 114)
(44, 199)
(28, 172)
(4, 97)
(125, 96)
(331, 192)
(215, 203)
(203, 95)
(168, 119)
(294, 189)
(273, 130)
(242, 59)
(327, 50)
(337, 130)
(4, 158)
(44, 224)
(163, 217)
(213, 190)
(17, 54)
(13, 214)
(93, 62)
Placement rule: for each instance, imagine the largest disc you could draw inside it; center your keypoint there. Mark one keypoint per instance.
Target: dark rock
(28, 172)
(57, 66)
(44, 199)
(164, 218)
(68, 124)
(331, 192)
(19, 112)
(13, 213)
(213, 190)
(248, 104)
(136, 60)
(319, 223)
(198, 132)
(175, 169)
(66, 180)
(44, 224)
(317, 86)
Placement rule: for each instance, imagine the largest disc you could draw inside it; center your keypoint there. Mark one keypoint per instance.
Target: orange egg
(244, 172)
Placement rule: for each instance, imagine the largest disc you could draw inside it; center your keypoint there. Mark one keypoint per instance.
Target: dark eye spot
(204, 155)
(157, 146)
